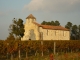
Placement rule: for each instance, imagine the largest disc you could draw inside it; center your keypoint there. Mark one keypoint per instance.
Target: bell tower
(30, 19)
(31, 30)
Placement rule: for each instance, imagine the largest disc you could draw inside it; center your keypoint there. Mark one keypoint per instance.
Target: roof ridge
(31, 16)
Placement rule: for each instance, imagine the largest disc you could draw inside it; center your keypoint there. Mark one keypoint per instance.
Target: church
(36, 31)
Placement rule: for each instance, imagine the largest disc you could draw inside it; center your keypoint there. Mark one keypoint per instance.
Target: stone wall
(28, 27)
(55, 34)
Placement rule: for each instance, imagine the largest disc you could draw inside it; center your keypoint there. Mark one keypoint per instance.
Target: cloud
(53, 5)
(34, 5)
(2, 13)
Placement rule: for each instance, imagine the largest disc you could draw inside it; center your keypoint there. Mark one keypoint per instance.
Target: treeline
(27, 48)
(16, 29)
(53, 23)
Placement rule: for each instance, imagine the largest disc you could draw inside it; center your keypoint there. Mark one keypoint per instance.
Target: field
(39, 50)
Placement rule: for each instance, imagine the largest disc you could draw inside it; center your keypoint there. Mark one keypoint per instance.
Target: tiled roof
(51, 27)
(31, 16)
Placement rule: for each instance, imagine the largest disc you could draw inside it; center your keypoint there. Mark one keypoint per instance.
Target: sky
(44, 10)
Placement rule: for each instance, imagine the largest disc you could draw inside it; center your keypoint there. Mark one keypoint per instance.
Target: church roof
(51, 27)
(54, 27)
(31, 16)
(37, 24)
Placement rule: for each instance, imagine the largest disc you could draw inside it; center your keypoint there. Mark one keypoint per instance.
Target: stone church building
(36, 31)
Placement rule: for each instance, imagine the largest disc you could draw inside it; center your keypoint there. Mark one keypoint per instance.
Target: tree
(57, 23)
(68, 25)
(48, 23)
(44, 23)
(52, 23)
(79, 31)
(17, 28)
(75, 31)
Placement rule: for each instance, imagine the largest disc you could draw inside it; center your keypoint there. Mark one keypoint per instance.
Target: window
(63, 33)
(51, 32)
(55, 33)
(47, 32)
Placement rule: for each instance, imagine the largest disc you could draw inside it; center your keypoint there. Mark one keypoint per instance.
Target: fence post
(19, 51)
(54, 48)
(42, 46)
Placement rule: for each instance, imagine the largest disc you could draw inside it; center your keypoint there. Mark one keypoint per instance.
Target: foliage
(17, 28)
(74, 30)
(54, 23)
(68, 25)
(31, 47)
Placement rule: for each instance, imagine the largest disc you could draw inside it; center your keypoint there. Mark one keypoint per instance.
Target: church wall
(49, 34)
(28, 26)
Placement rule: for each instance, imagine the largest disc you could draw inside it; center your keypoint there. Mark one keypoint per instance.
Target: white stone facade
(35, 31)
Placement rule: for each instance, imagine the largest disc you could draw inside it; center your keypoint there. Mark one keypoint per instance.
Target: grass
(66, 56)
(62, 56)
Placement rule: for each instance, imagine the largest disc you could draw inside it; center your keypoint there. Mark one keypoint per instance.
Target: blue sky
(62, 10)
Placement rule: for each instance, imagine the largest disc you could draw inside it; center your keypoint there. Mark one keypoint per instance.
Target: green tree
(44, 23)
(48, 23)
(57, 23)
(17, 28)
(52, 23)
(75, 31)
(79, 32)
(68, 25)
